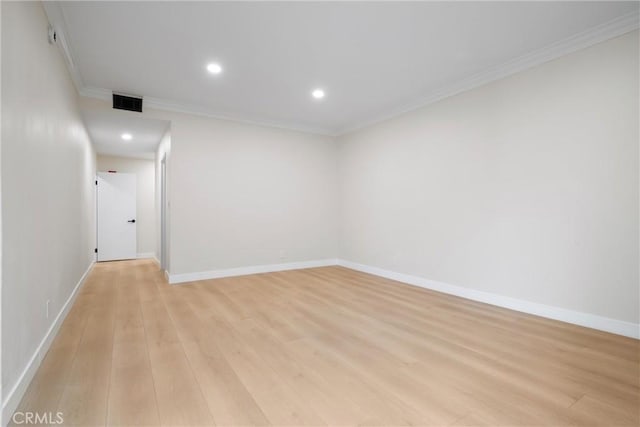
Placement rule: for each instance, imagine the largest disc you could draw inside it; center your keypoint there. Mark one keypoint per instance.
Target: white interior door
(116, 216)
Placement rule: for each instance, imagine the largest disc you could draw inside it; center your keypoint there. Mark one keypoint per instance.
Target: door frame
(164, 256)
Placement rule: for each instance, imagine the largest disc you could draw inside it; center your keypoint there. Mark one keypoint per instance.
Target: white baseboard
(593, 321)
(152, 256)
(243, 271)
(144, 255)
(14, 396)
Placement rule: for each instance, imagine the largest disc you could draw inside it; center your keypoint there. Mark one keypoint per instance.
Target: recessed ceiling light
(318, 93)
(126, 136)
(214, 68)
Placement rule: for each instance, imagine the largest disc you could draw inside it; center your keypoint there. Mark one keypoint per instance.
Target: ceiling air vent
(129, 103)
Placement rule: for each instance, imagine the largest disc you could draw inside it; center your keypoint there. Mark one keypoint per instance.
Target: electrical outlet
(283, 255)
(47, 309)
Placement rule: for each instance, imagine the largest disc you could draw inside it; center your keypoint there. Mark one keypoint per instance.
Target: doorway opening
(132, 165)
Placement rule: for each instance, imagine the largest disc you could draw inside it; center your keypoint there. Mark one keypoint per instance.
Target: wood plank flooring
(322, 347)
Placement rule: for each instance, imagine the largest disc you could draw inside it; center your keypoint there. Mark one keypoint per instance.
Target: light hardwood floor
(324, 346)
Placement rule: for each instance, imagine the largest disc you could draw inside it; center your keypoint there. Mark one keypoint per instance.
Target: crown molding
(163, 104)
(166, 105)
(55, 16)
(606, 31)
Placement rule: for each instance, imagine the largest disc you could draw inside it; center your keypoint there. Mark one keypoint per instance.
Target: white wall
(48, 170)
(243, 195)
(145, 197)
(526, 187)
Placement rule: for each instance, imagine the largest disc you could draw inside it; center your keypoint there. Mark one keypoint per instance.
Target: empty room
(373, 213)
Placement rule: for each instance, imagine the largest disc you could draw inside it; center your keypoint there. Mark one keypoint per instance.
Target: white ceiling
(373, 59)
(106, 127)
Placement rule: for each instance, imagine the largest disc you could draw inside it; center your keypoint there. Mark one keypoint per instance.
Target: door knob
(132, 220)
